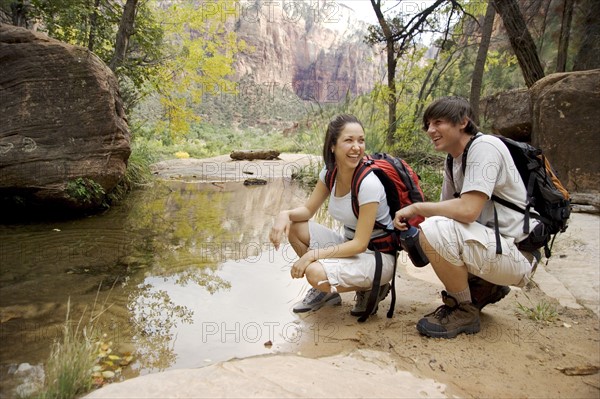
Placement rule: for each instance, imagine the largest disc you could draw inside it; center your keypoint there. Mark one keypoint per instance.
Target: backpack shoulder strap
(450, 161)
(330, 178)
(361, 171)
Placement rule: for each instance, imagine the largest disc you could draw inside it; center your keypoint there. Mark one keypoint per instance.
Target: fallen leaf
(108, 374)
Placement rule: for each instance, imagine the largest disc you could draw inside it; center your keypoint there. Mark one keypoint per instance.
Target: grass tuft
(69, 368)
(543, 311)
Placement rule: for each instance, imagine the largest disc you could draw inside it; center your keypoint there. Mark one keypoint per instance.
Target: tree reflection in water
(176, 228)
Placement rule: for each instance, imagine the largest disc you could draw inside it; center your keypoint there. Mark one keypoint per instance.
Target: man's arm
(465, 209)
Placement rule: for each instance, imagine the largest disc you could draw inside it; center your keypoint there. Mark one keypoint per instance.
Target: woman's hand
(300, 266)
(281, 227)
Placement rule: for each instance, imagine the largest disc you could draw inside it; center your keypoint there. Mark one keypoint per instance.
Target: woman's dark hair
(453, 109)
(332, 134)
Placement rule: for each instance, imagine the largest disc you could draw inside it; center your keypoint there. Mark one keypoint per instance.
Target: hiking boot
(315, 300)
(483, 292)
(450, 319)
(362, 298)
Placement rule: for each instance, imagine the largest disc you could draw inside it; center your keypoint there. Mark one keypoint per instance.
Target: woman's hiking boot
(315, 300)
(483, 292)
(450, 319)
(362, 299)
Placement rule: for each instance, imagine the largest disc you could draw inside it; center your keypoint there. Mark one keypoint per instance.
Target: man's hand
(403, 215)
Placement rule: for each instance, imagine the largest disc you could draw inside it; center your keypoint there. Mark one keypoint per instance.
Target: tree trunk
(126, 29)
(520, 40)
(19, 11)
(93, 21)
(391, 72)
(588, 56)
(484, 45)
(563, 41)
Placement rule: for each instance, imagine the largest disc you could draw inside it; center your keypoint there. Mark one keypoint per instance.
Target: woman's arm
(299, 214)
(366, 221)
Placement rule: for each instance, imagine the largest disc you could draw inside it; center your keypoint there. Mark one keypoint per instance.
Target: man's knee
(428, 249)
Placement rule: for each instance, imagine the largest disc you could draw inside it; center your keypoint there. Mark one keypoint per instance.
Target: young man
(459, 234)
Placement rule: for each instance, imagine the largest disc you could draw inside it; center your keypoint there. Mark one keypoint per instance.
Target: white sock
(462, 296)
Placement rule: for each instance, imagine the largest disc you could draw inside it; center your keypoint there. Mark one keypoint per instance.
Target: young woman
(330, 261)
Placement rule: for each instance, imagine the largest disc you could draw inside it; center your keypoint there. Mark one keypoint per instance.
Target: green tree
(484, 45)
(200, 48)
(400, 34)
(520, 39)
(126, 29)
(565, 31)
(588, 55)
(95, 24)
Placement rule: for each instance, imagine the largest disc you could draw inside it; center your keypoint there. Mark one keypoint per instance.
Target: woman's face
(350, 146)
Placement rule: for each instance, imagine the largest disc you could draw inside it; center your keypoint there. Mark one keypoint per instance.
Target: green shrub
(85, 190)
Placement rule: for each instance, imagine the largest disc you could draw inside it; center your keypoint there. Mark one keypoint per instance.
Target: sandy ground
(514, 356)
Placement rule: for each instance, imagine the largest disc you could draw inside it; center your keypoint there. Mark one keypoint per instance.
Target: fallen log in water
(249, 155)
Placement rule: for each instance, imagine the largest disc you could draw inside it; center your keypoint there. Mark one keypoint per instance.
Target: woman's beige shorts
(355, 271)
(474, 245)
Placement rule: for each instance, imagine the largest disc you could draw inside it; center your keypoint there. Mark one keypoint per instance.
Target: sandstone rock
(566, 126)
(509, 114)
(64, 138)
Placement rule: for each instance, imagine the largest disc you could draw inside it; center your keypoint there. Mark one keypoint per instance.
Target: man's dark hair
(332, 134)
(453, 109)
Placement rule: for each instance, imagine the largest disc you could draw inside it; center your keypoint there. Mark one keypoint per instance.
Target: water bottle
(409, 241)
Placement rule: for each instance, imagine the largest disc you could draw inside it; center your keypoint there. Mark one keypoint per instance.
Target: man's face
(446, 135)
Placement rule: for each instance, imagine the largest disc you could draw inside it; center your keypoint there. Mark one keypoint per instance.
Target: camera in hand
(409, 241)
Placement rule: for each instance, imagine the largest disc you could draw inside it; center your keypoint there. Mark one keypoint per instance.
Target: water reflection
(187, 276)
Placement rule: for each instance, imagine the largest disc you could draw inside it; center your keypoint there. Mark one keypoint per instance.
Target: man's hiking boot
(483, 292)
(362, 299)
(315, 300)
(450, 319)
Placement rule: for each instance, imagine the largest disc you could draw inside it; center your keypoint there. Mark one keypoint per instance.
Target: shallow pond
(180, 274)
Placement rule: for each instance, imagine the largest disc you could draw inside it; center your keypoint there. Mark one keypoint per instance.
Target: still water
(180, 274)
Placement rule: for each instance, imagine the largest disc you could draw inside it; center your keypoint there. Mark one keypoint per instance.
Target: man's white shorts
(474, 245)
(355, 271)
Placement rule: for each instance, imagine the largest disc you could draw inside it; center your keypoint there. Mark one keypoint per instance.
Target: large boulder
(566, 125)
(64, 138)
(508, 113)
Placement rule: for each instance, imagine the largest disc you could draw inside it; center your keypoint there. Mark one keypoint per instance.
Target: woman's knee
(299, 232)
(316, 276)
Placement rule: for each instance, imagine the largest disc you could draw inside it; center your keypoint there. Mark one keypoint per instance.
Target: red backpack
(401, 185)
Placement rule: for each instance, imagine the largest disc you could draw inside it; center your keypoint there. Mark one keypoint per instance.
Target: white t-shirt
(370, 190)
(491, 170)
